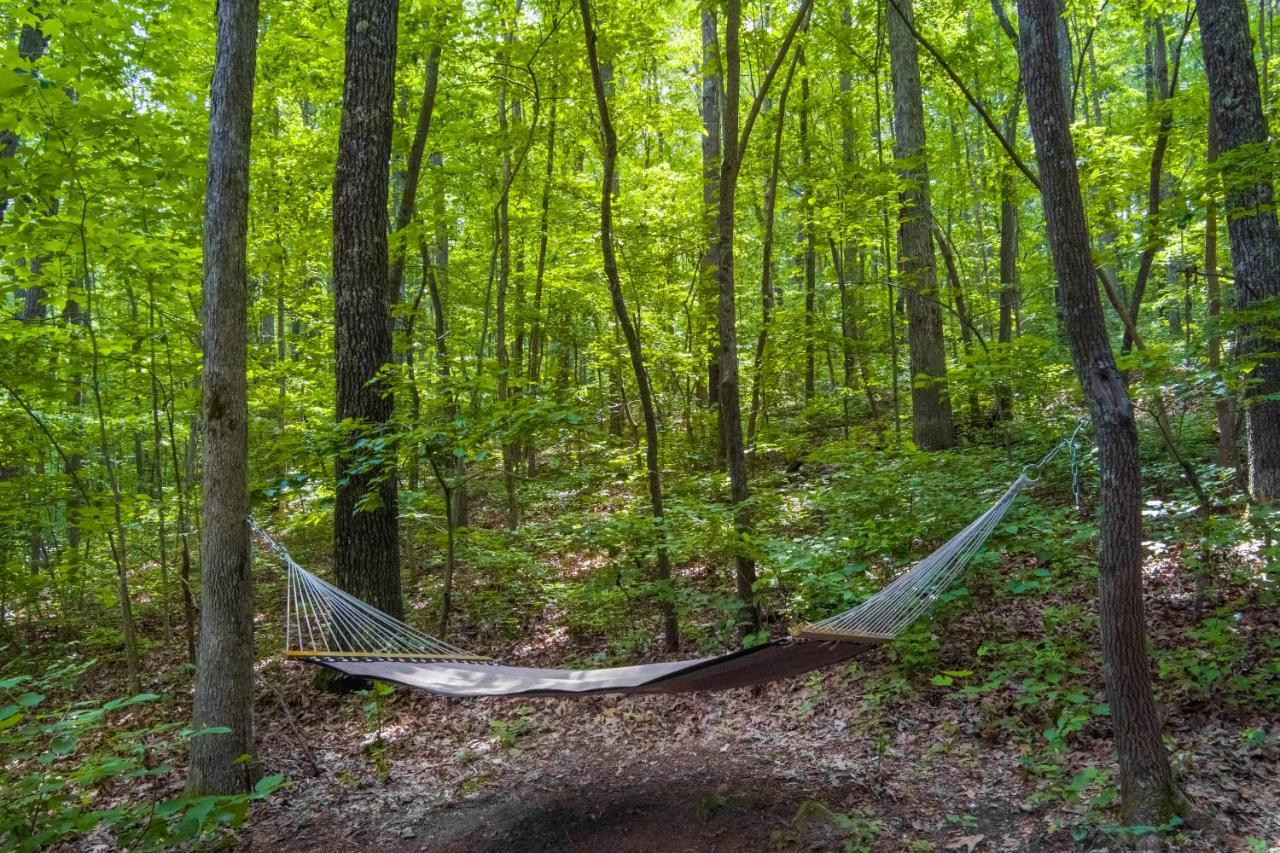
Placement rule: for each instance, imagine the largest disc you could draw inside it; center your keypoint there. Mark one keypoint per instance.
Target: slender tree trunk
(807, 226)
(766, 255)
(412, 175)
(1165, 87)
(1009, 296)
(1148, 793)
(181, 481)
(961, 309)
(157, 460)
(439, 284)
(224, 669)
(671, 633)
(450, 486)
(117, 535)
(730, 397)
(712, 133)
(544, 233)
(366, 534)
(1251, 224)
(851, 258)
(917, 272)
(1226, 455)
(500, 318)
(726, 323)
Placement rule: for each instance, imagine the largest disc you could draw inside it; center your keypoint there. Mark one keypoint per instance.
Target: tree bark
(1225, 419)
(807, 226)
(850, 258)
(412, 175)
(224, 668)
(500, 312)
(766, 256)
(712, 96)
(1154, 230)
(1251, 224)
(1148, 794)
(730, 396)
(961, 309)
(609, 140)
(366, 530)
(917, 271)
(1009, 296)
(544, 234)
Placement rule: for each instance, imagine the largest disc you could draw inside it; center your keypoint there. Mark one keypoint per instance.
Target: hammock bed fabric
(744, 668)
(329, 627)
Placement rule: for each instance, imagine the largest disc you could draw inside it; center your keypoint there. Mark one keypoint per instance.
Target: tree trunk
(730, 398)
(500, 317)
(1223, 416)
(1148, 794)
(962, 311)
(1251, 224)
(766, 256)
(412, 174)
(712, 96)
(807, 227)
(917, 271)
(366, 530)
(544, 233)
(224, 669)
(1009, 296)
(851, 258)
(1165, 86)
(671, 633)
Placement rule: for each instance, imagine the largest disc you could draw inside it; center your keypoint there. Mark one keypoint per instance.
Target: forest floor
(828, 762)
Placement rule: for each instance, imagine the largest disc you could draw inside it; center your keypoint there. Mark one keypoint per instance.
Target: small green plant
(858, 828)
(64, 760)
(509, 731)
(374, 708)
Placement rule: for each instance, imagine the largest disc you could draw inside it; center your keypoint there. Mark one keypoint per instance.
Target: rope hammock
(332, 628)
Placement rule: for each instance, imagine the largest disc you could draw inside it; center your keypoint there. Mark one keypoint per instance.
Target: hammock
(329, 627)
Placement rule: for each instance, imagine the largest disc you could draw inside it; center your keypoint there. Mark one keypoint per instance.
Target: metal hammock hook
(1032, 472)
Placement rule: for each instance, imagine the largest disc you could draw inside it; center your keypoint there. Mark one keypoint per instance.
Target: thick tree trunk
(224, 668)
(366, 530)
(609, 139)
(917, 271)
(1148, 793)
(1251, 224)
